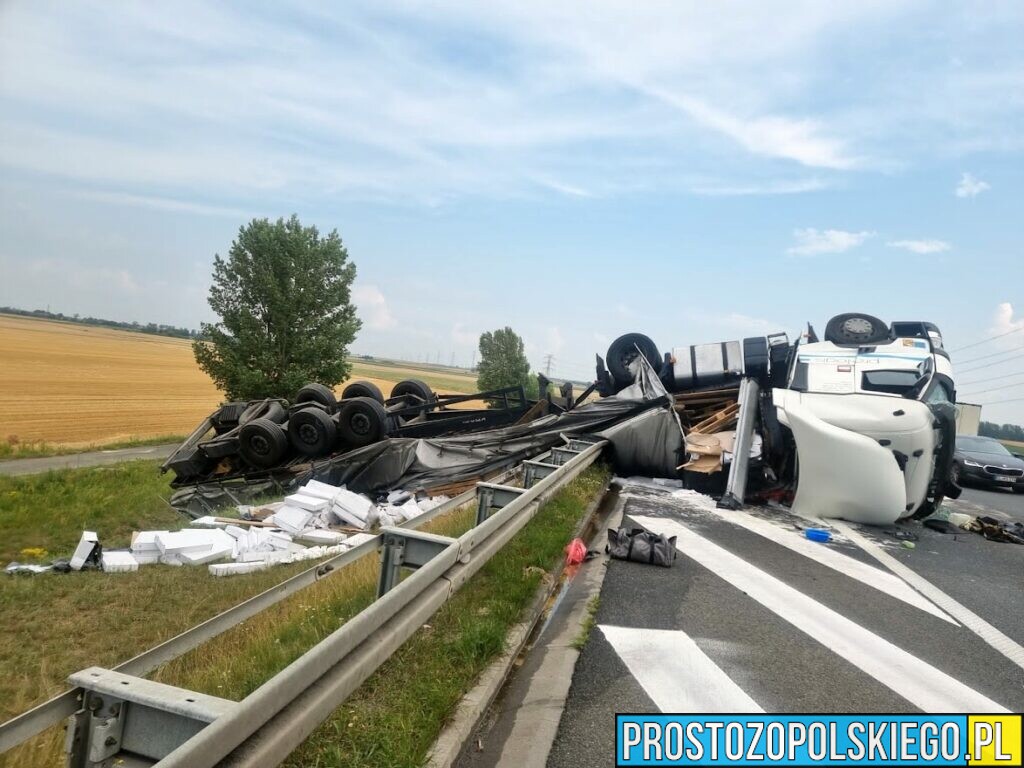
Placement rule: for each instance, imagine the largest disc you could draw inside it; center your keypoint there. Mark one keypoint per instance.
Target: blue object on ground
(817, 534)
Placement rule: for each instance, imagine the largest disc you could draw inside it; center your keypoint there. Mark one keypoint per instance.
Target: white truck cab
(869, 409)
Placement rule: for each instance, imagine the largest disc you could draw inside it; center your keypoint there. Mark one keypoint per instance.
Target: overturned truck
(859, 425)
(259, 437)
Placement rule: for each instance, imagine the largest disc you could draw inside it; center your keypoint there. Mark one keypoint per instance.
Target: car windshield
(982, 445)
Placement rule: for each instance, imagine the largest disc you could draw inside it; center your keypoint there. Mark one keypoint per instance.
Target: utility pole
(473, 364)
(548, 360)
(452, 364)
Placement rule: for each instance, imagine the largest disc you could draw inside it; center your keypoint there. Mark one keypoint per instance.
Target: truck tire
(855, 329)
(317, 393)
(363, 389)
(362, 421)
(271, 410)
(623, 351)
(262, 443)
(414, 387)
(312, 432)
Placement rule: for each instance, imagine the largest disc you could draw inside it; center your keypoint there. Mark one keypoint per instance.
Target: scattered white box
(309, 503)
(234, 569)
(354, 504)
(291, 519)
(207, 522)
(320, 490)
(189, 540)
(359, 538)
(145, 541)
(118, 561)
(86, 545)
(319, 536)
(147, 557)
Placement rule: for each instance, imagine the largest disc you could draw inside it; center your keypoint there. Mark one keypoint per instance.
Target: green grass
(394, 718)
(588, 623)
(55, 624)
(32, 450)
(50, 510)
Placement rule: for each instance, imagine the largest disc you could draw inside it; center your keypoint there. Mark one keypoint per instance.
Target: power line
(993, 389)
(990, 338)
(990, 378)
(989, 365)
(1000, 402)
(988, 357)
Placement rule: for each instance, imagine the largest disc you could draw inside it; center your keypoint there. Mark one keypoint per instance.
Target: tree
(283, 296)
(503, 362)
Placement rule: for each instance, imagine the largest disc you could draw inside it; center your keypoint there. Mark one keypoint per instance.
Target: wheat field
(76, 385)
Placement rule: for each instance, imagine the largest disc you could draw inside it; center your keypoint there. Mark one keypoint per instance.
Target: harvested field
(78, 385)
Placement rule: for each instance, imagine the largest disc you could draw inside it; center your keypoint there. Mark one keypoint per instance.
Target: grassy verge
(395, 717)
(55, 624)
(391, 720)
(589, 622)
(39, 449)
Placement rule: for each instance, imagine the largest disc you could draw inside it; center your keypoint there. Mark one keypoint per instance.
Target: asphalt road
(975, 501)
(742, 622)
(88, 459)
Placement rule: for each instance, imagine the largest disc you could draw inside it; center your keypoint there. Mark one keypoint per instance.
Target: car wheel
(362, 421)
(623, 351)
(317, 393)
(363, 389)
(312, 432)
(262, 443)
(954, 474)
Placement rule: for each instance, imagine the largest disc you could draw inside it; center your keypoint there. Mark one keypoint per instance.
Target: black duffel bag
(641, 546)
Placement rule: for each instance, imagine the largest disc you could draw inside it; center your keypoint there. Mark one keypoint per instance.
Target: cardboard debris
(84, 550)
(307, 502)
(118, 561)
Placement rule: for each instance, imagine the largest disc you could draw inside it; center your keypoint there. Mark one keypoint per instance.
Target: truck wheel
(623, 351)
(312, 432)
(363, 389)
(271, 410)
(362, 421)
(317, 393)
(853, 329)
(262, 443)
(414, 387)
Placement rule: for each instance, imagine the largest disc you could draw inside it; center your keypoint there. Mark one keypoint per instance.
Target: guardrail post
(560, 456)
(491, 496)
(400, 548)
(534, 471)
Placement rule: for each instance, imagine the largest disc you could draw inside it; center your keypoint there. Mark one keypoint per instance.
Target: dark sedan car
(984, 461)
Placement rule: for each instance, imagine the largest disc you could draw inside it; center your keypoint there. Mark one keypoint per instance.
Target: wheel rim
(260, 445)
(308, 434)
(360, 424)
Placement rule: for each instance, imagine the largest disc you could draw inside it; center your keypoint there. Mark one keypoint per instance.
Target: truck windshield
(891, 382)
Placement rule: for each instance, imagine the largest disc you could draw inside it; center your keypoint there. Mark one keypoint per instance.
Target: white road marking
(923, 685)
(675, 673)
(867, 574)
(1005, 645)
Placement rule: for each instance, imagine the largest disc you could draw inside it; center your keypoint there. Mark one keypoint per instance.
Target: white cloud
(1004, 323)
(969, 186)
(920, 246)
(814, 242)
(373, 308)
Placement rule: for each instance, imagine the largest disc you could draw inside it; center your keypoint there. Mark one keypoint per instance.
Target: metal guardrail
(56, 710)
(177, 727)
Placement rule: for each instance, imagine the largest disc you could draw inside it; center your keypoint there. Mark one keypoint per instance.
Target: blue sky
(696, 171)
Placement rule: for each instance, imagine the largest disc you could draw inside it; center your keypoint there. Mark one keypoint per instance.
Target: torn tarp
(413, 464)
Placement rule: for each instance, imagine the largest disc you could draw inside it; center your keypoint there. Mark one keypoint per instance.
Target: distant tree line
(1001, 431)
(156, 329)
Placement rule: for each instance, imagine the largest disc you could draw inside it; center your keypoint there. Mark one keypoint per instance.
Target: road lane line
(923, 685)
(823, 554)
(1005, 645)
(676, 674)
